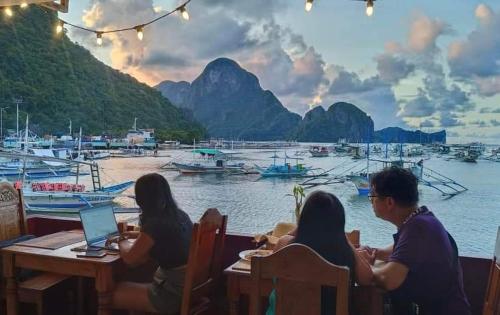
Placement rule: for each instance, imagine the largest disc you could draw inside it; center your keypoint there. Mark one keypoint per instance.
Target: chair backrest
(12, 215)
(492, 298)
(298, 273)
(354, 237)
(204, 267)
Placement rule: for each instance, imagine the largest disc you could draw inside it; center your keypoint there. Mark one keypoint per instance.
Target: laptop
(99, 224)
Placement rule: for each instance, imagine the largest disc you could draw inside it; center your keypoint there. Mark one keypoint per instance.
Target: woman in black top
(165, 236)
(322, 228)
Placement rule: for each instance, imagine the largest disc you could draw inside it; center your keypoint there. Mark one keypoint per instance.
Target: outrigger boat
(285, 169)
(319, 151)
(15, 167)
(211, 161)
(447, 186)
(54, 196)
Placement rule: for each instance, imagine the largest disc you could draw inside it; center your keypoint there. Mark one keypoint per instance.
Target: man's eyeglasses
(372, 196)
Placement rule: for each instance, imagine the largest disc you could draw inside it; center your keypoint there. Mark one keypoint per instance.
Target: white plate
(247, 254)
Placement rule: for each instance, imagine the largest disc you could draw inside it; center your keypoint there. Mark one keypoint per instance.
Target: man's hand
(367, 253)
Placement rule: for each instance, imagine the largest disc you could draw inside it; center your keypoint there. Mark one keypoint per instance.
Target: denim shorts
(165, 293)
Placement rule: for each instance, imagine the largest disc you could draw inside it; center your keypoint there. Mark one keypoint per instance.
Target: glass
(371, 196)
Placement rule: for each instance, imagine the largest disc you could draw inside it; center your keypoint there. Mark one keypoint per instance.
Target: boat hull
(61, 200)
(204, 169)
(319, 154)
(362, 184)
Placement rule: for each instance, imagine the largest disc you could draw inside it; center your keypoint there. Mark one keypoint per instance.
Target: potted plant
(298, 194)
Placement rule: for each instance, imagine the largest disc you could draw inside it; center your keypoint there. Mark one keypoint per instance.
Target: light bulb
(8, 12)
(184, 13)
(59, 27)
(369, 8)
(99, 39)
(140, 33)
(24, 5)
(309, 5)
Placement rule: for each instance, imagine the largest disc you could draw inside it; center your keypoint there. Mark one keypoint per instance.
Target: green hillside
(60, 80)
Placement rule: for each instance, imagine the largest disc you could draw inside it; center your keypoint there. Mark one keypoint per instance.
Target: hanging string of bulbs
(369, 6)
(140, 28)
(99, 33)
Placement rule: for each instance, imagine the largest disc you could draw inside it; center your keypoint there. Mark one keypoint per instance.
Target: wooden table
(366, 300)
(62, 261)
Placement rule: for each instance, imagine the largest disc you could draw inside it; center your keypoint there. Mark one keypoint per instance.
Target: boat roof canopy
(213, 151)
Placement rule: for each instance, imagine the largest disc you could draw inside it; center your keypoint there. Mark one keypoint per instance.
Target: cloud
(349, 82)
(450, 121)
(372, 95)
(495, 122)
(423, 34)
(421, 106)
(427, 124)
(476, 59)
(393, 69)
(164, 59)
(486, 110)
(479, 123)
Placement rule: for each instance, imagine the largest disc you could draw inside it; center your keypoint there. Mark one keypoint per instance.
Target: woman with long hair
(322, 227)
(165, 236)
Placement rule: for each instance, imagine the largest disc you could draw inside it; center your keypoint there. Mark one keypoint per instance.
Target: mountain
(59, 80)
(230, 103)
(396, 134)
(340, 121)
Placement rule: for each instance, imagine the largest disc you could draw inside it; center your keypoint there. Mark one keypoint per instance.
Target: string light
(140, 32)
(24, 5)
(184, 13)
(99, 38)
(369, 7)
(59, 27)
(309, 5)
(8, 12)
(138, 28)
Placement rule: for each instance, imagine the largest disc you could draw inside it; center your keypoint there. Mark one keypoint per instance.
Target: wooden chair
(13, 226)
(354, 237)
(204, 267)
(492, 298)
(299, 272)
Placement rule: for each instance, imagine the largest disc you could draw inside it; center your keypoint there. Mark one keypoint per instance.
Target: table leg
(9, 273)
(104, 285)
(233, 294)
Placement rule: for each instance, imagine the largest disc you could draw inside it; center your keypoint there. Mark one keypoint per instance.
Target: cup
(122, 226)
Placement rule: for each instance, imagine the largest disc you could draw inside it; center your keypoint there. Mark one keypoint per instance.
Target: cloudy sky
(434, 64)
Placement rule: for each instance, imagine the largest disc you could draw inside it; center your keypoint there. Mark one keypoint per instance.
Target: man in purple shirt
(422, 265)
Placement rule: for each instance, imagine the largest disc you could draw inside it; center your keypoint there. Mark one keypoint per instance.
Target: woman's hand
(116, 239)
(131, 234)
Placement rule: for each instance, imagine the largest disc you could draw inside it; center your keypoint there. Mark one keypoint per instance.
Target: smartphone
(92, 254)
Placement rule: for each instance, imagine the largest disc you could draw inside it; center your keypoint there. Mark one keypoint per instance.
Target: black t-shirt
(171, 239)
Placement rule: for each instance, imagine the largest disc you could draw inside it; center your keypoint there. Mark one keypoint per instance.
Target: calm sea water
(255, 205)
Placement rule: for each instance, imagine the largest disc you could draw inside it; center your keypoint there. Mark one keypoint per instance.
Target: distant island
(230, 103)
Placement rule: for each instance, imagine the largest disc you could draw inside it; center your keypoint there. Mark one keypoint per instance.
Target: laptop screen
(98, 223)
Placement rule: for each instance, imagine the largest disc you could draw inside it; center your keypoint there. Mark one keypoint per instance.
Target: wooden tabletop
(64, 252)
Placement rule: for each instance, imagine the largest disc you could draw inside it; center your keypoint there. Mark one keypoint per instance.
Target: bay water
(255, 205)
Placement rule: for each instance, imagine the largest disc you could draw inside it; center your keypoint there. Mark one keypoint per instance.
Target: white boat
(63, 196)
(212, 161)
(319, 151)
(96, 155)
(61, 199)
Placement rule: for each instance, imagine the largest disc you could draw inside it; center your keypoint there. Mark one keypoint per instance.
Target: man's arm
(390, 276)
(384, 253)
